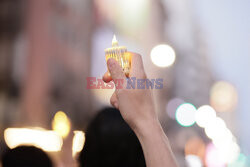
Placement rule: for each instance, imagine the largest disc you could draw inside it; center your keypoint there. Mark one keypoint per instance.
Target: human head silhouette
(26, 156)
(110, 142)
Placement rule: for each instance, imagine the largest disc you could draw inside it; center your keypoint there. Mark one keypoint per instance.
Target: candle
(119, 53)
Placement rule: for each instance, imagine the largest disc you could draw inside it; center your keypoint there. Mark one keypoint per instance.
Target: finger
(114, 101)
(116, 71)
(137, 69)
(107, 77)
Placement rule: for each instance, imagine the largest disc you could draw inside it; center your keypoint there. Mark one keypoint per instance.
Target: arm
(155, 145)
(137, 109)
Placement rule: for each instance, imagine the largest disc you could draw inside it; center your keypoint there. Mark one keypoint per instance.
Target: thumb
(115, 69)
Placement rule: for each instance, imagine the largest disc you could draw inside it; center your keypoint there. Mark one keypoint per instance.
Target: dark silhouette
(26, 156)
(111, 143)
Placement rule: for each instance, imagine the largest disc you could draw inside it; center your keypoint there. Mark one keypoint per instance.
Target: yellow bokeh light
(47, 140)
(163, 55)
(223, 96)
(78, 142)
(61, 124)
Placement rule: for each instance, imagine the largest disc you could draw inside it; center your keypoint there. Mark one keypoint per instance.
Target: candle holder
(119, 53)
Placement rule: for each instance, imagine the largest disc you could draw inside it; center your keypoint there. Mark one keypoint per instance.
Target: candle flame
(114, 41)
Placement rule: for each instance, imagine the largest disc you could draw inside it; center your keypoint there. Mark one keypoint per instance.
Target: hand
(136, 105)
(137, 109)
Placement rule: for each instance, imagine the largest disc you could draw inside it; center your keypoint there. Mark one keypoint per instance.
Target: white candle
(119, 54)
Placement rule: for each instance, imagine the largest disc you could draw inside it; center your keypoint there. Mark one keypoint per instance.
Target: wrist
(147, 128)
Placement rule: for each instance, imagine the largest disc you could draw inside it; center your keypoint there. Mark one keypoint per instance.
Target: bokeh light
(195, 146)
(213, 158)
(193, 161)
(131, 15)
(185, 114)
(229, 152)
(172, 106)
(204, 115)
(223, 139)
(223, 96)
(163, 55)
(242, 161)
(45, 139)
(61, 124)
(78, 142)
(215, 128)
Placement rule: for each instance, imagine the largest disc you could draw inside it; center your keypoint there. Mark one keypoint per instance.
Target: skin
(137, 109)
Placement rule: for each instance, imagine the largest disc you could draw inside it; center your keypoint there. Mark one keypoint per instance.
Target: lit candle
(119, 54)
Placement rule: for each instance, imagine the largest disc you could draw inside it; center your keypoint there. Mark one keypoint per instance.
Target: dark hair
(111, 143)
(26, 156)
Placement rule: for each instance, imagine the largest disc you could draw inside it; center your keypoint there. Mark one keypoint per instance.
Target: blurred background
(200, 48)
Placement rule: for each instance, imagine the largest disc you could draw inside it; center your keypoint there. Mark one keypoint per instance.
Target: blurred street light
(185, 114)
(193, 161)
(163, 55)
(223, 96)
(204, 115)
(215, 128)
(213, 158)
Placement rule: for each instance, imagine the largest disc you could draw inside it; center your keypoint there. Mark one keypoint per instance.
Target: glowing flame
(114, 41)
